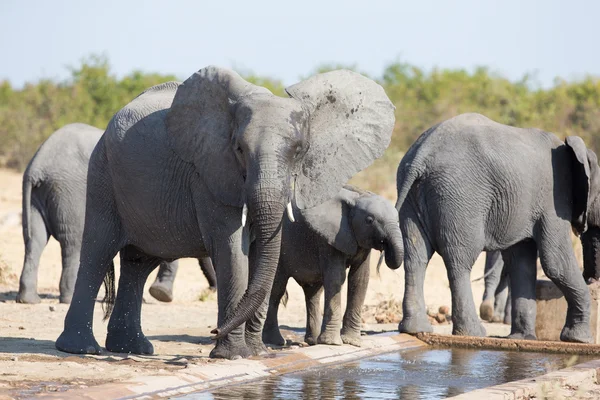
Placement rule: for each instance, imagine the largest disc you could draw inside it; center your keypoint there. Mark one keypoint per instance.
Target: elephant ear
(580, 178)
(350, 125)
(199, 128)
(331, 221)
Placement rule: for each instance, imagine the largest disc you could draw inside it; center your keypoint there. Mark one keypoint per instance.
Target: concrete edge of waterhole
(196, 378)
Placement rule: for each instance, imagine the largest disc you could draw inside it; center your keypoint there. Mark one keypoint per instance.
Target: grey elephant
(495, 306)
(54, 187)
(470, 184)
(317, 250)
(54, 193)
(190, 169)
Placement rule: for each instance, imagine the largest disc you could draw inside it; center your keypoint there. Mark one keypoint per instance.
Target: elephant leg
(417, 253)
(34, 245)
(501, 298)
(312, 297)
(162, 287)
(208, 270)
(231, 266)
(459, 262)
(124, 328)
(70, 251)
(358, 281)
(333, 267)
(508, 309)
(101, 241)
(560, 265)
(493, 275)
(271, 333)
(520, 264)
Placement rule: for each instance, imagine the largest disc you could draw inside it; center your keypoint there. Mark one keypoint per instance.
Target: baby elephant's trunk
(393, 248)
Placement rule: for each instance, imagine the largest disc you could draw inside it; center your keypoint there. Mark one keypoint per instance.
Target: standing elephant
(54, 193)
(54, 186)
(317, 250)
(190, 169)
(495, 306)
(470, 184)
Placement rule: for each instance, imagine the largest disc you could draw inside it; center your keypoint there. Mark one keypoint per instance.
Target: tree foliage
(422, 98)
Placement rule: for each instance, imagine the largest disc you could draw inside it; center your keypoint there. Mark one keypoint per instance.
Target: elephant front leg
(162, 288)
(493, 275)
(333, 267)
(358, 281)
(231, 266)
(312, 296)
(271, 333)
(124, 328)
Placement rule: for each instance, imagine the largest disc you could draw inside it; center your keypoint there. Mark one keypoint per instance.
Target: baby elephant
(317, 249)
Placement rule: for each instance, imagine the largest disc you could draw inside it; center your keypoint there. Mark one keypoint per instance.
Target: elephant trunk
(590, 241)
(266, 205)
(393, 248)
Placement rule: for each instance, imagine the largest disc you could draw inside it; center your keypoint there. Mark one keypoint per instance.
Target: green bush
(93, 94)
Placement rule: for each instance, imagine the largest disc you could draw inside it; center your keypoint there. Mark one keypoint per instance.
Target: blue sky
(287, 40)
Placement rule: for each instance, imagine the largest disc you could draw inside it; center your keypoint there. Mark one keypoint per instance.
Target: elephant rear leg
(124, 328)
(162, 288)
(560, 265)
(70, 251)
(417, 253)
(35, 237)
(520, 264)
(271, 333)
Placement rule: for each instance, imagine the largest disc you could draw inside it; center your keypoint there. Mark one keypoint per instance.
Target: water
(413, 374)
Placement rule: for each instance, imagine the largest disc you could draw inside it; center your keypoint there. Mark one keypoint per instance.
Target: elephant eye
(369, 220)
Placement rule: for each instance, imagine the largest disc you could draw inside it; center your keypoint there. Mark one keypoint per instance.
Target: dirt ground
(179, 331)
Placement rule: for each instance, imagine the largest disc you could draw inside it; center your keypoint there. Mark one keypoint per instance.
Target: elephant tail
(487, 273)
(108, 302)
(408, 174)
(285, 298)
(28, 184)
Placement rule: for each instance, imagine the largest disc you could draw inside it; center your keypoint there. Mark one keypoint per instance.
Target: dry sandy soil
(178, 330)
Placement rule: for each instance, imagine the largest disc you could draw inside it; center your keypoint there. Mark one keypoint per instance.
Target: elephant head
(356, 219)
(256, 151)
(586, 204)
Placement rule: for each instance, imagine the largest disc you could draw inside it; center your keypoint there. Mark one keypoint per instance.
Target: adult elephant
(470, 184)
(180, 169)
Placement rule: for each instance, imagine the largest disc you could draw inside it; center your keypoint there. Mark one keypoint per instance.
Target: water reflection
(415, 374)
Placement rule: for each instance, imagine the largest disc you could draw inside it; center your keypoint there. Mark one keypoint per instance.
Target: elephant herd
(255, 187)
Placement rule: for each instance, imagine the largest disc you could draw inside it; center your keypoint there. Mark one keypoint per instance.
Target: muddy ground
(179, 330)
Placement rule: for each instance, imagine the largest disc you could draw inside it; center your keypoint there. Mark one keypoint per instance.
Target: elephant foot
(351, 338)
(577, 333)
(330, 337)
(522, 336)
(486, 310)
(273, 336)
(474, 329)
(255, 344)
(28, 298)
(310, 339)
(78, 342)
(161, 291)
(128, 341)
(65, 299)
(231, 351)
(415, 325)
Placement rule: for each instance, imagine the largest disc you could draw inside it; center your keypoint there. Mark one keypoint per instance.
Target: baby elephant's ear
(331, 221)
(580, 174)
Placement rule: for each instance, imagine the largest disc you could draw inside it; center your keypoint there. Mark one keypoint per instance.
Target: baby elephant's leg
(333, 267)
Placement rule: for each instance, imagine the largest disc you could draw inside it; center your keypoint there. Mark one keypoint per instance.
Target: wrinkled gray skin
(162, 287)
(171, 174)
(54, 187)
(470, 184)
(496, 304)
(54, 193)
(317, 250)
